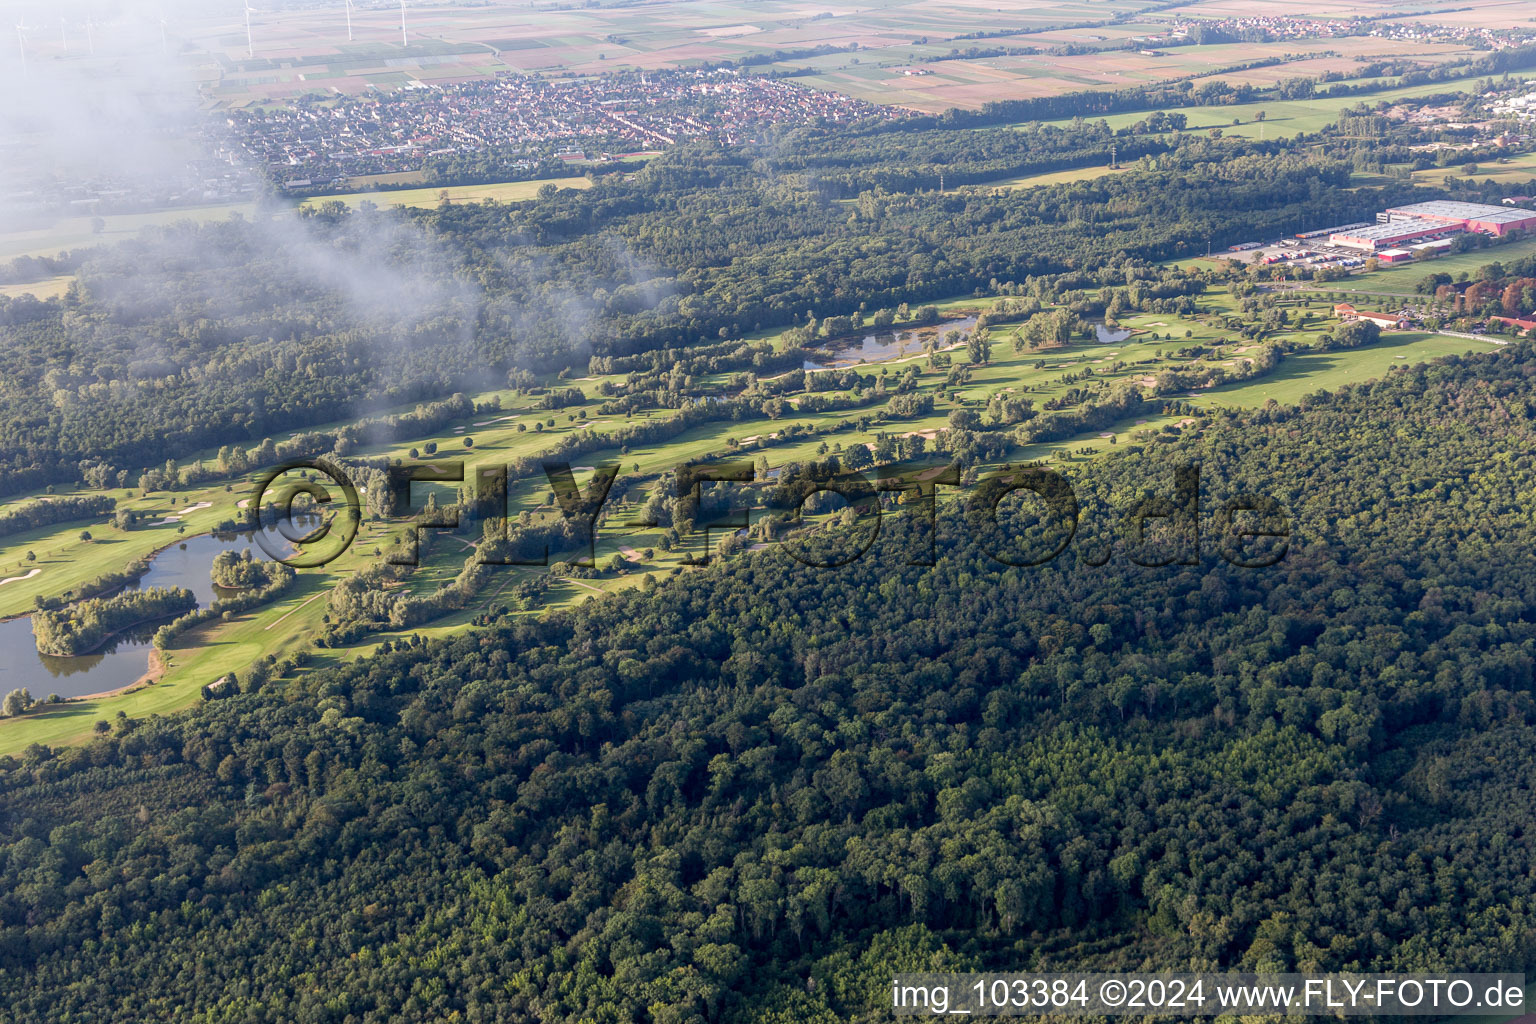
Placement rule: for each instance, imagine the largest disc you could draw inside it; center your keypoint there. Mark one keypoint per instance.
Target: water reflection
(125, 657)
(878, 347)
(908, 341)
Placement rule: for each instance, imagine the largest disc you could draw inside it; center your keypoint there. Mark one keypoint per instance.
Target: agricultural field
(48, 288)
(1521, 168)
(1056, 177)
(290, 625)
(1494, 12)
(970, 83)
(70, 233)
(1345, 56)
(1499, 14)
(1309, 372)
(1285, 118)
(309, 51)
(66, 233)
(501, 192)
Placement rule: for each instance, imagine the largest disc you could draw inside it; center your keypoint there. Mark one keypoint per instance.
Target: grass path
(285, 616)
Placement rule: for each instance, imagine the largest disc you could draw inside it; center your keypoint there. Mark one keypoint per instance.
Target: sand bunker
(17, 579)
(175, 517)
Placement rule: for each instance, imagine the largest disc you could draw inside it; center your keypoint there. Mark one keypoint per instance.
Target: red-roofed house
(1525, 325)
(1344, 311)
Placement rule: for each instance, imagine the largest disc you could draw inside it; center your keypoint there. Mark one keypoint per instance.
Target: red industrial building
(1390, 234)
(1480, 217)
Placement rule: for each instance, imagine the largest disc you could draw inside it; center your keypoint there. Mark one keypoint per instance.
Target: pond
(895, 344)
(1110, 335)
(125, 657)
(878, 347)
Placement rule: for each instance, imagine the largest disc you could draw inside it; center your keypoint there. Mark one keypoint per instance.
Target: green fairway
(1306, 372)
(202, 656)
(65, 561)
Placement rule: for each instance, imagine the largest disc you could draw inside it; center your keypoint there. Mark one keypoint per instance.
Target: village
(1288, 26)
(520, 121)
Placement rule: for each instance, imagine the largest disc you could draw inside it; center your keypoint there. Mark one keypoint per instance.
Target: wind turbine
(64, 33)
(405, 43)
(348, 4)
(250, 43)
(21, 36)
(90, 40)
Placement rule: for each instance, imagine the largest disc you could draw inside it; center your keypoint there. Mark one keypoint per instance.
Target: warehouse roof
(1395, 229)
(1462, 211)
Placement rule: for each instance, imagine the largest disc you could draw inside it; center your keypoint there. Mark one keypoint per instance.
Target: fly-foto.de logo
(310, 512)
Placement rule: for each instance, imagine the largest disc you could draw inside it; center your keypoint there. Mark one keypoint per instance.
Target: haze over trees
(235, 331)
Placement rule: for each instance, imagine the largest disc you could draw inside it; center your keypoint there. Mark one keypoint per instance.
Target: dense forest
(750, 792)
(199, 336)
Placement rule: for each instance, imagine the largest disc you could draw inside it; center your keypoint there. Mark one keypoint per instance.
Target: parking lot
(1313, 253)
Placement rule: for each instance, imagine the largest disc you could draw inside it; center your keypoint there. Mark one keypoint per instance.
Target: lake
(883, 345)
(125, 657)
